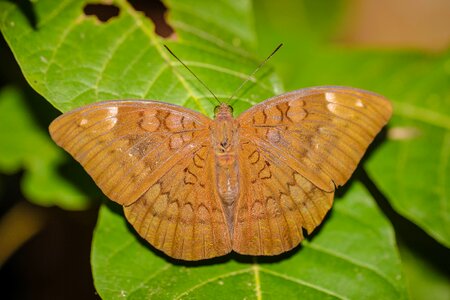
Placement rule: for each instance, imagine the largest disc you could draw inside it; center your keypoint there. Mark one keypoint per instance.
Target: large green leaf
(26, 146)
(413, 168)
(353, 257)
(73, 60)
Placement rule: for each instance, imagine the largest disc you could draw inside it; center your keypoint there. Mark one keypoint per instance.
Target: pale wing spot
(349, 115)
(112, 111)
(101, 120)
(333, 108)
(176, 142)
(273, 135)
(359, 103)
(330, 97)
(83, 122)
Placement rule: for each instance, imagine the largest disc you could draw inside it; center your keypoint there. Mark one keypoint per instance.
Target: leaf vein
(352, 261)
(193, 288)
(303, 283)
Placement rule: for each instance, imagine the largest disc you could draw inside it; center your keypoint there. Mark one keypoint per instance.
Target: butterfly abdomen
(224, 139)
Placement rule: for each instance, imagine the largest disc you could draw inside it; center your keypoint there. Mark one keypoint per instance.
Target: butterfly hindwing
(180, 214)
(276, 204)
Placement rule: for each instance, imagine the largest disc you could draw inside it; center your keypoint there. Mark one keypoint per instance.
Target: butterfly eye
(216, 110)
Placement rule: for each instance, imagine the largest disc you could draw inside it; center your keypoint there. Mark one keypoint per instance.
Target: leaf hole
(103, 12)
(156, 12)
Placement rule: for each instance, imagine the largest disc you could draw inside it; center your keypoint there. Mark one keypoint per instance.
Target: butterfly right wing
(153, 158)
(181, 213)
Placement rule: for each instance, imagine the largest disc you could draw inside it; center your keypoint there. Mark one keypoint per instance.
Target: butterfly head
(223, 111)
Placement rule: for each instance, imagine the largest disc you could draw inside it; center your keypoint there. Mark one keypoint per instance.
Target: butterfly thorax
(224, 137)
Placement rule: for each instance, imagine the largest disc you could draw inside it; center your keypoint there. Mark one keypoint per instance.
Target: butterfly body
(197, 188)
(225, 141)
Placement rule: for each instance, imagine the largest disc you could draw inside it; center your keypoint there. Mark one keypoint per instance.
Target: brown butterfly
(198, 188)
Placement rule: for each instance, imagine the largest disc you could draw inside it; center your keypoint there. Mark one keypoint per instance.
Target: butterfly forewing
(127, 145)
(323, 131)
(294, 150)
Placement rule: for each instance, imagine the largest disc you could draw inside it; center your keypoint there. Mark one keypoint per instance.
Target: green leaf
(353, 257)
(73, 59)
(26, 146)
(424, 280)
(412, 167)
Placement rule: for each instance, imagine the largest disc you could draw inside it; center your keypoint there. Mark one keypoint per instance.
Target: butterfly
(197, 188)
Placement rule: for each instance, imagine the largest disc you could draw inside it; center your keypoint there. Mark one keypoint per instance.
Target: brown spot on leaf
(103, 12)
(156, 12)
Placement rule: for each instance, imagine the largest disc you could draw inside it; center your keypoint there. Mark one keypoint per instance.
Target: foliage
(72, 59)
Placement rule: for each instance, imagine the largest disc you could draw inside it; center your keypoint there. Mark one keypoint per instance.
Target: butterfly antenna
(253, 73)
(173, 54)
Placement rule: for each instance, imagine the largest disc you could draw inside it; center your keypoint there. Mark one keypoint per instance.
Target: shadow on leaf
(27, 9)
